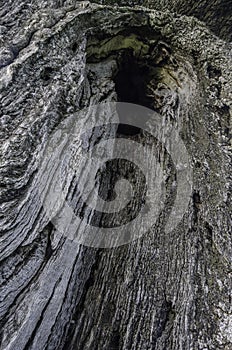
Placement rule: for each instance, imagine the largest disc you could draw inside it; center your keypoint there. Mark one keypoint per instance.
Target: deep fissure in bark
(131, 86)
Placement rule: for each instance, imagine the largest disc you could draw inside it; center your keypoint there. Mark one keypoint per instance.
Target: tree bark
(164, 290)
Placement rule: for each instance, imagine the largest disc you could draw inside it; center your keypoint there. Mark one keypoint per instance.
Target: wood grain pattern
(163, 291)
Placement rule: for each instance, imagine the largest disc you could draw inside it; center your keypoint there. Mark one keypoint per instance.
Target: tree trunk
(167, 289)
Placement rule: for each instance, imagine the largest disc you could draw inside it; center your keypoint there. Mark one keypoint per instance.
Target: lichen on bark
(163, 291)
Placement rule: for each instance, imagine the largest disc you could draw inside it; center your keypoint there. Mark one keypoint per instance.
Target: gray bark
(164, 290)
(216, 14)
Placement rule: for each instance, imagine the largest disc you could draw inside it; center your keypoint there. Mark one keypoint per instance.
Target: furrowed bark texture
(216, 14)
(165, 290)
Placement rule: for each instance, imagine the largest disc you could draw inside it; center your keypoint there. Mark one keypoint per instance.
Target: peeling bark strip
(163, 291)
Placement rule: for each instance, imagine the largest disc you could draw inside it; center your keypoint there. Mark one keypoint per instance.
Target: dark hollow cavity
(131, 86)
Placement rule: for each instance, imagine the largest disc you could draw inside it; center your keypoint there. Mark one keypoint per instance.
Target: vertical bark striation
(162, 291)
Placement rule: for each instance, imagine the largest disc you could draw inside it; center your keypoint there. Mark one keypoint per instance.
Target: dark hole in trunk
(131, 87)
